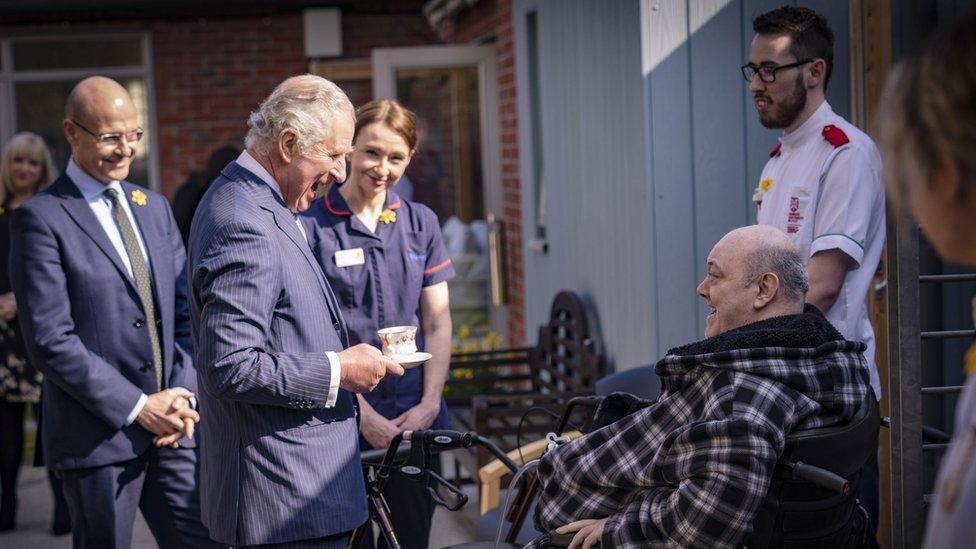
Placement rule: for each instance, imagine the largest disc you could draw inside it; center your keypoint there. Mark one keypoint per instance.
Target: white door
(453, 89)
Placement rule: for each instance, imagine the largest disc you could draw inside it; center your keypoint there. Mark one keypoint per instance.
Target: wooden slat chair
(509, 383)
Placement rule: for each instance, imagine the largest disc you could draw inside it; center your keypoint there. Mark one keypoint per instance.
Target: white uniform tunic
(827, 194)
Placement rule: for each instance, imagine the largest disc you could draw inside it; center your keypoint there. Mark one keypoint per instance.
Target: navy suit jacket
(84, 326)
(276, 464)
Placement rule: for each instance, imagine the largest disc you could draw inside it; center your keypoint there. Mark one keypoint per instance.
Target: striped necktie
(140, 273)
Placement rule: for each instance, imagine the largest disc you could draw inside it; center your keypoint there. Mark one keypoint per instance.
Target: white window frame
(9, 76)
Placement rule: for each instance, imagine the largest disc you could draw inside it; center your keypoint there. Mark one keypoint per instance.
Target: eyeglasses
(113, 139)
(767, 73)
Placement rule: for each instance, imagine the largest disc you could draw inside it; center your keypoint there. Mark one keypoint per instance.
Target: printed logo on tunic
(794, 217)
(419, 257)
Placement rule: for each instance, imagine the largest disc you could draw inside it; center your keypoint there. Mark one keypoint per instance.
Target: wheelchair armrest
(554, 540)
(931, 435)
(821, 477)
(491, 474)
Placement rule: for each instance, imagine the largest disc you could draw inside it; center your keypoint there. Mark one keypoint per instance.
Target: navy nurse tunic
(399, 260)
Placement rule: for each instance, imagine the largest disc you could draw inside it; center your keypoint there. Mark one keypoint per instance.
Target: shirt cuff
(334, 383)
(192, 400)
(138, 408)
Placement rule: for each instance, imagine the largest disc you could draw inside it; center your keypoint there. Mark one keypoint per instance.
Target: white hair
(305, 104)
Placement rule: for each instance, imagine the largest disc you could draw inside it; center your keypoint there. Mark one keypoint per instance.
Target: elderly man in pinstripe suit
(279, 453)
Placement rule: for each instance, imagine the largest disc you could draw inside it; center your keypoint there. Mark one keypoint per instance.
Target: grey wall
(650, 151)
(592, 168)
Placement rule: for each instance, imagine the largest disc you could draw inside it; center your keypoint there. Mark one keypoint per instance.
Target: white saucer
(411, 360)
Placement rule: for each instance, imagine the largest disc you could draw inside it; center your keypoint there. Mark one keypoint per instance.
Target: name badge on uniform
(350, 257)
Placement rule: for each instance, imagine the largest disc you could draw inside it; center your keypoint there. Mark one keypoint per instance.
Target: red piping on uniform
(395, 206)
(436, 268)
(775, 152)
(333, 211)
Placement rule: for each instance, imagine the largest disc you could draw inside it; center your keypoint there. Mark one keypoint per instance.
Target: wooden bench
(491, 392)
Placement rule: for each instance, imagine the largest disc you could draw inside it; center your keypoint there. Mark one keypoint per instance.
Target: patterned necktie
(140, 273)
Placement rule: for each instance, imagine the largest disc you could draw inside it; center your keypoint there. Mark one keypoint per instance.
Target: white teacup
(398, 340)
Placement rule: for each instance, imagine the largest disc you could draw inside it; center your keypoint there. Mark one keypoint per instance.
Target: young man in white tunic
(822, 184)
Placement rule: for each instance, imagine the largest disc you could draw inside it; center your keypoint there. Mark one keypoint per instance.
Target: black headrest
(842, 448)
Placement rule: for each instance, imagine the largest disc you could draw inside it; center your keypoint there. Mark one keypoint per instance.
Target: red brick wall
(491, 21)
(210, 73)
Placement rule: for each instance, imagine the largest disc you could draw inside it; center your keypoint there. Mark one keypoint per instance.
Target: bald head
(98, 107)
(753, 273)
(97, 98)
(755, 237)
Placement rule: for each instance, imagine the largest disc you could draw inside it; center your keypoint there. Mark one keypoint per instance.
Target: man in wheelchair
(693, 468)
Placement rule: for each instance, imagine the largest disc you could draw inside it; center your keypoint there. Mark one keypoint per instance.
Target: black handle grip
(445, 439)
(821, 477)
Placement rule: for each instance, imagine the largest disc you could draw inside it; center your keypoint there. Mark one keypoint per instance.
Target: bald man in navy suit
(97, 268)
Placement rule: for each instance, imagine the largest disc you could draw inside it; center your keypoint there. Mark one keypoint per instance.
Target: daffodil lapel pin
(763, 187)
(388, 216)
(139, 198)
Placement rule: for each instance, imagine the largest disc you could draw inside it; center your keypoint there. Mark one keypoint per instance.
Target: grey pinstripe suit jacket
(276, 465)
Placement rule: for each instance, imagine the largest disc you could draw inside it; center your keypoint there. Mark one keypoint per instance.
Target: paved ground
(34, 520)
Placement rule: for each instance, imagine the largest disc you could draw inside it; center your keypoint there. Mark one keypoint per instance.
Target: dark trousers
(162, 483)
(411, 509)
(11, 456)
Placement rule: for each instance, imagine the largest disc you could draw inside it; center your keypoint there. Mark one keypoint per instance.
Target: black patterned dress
(19, 382)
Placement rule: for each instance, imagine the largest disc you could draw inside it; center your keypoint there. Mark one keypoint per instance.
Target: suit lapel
(79, 210)
(274, 204)
(285, 221)
(160, 269)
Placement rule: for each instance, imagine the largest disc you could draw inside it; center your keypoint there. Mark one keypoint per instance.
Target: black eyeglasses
(113, 139)
(767, 73)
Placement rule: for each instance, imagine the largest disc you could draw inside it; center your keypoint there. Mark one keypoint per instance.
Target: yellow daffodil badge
(388, 216)
(763, 187)
(139, 198)
(969, 360)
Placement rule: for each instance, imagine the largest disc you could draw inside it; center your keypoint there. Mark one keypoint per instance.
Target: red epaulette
(835, 136)
(775, 152)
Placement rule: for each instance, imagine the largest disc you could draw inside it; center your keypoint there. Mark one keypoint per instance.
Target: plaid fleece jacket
(692, 469)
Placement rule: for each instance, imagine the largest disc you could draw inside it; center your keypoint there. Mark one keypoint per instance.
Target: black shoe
(8, 514)
(61, 524)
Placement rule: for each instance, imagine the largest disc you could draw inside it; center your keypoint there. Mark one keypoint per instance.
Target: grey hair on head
(786, 263)
(305, 104)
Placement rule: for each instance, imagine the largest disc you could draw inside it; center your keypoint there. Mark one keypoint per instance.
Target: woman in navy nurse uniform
(386, 262)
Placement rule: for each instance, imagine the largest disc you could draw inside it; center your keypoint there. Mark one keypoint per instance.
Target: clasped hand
(8, 306)
(168, 415)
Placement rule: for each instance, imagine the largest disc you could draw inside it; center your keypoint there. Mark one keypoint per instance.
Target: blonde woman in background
(25, 168)
(928, 139)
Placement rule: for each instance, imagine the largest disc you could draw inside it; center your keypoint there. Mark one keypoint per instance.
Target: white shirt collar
(811, 127)
(90, 187)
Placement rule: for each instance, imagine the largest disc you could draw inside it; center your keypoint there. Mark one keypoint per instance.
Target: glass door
(453, 90)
